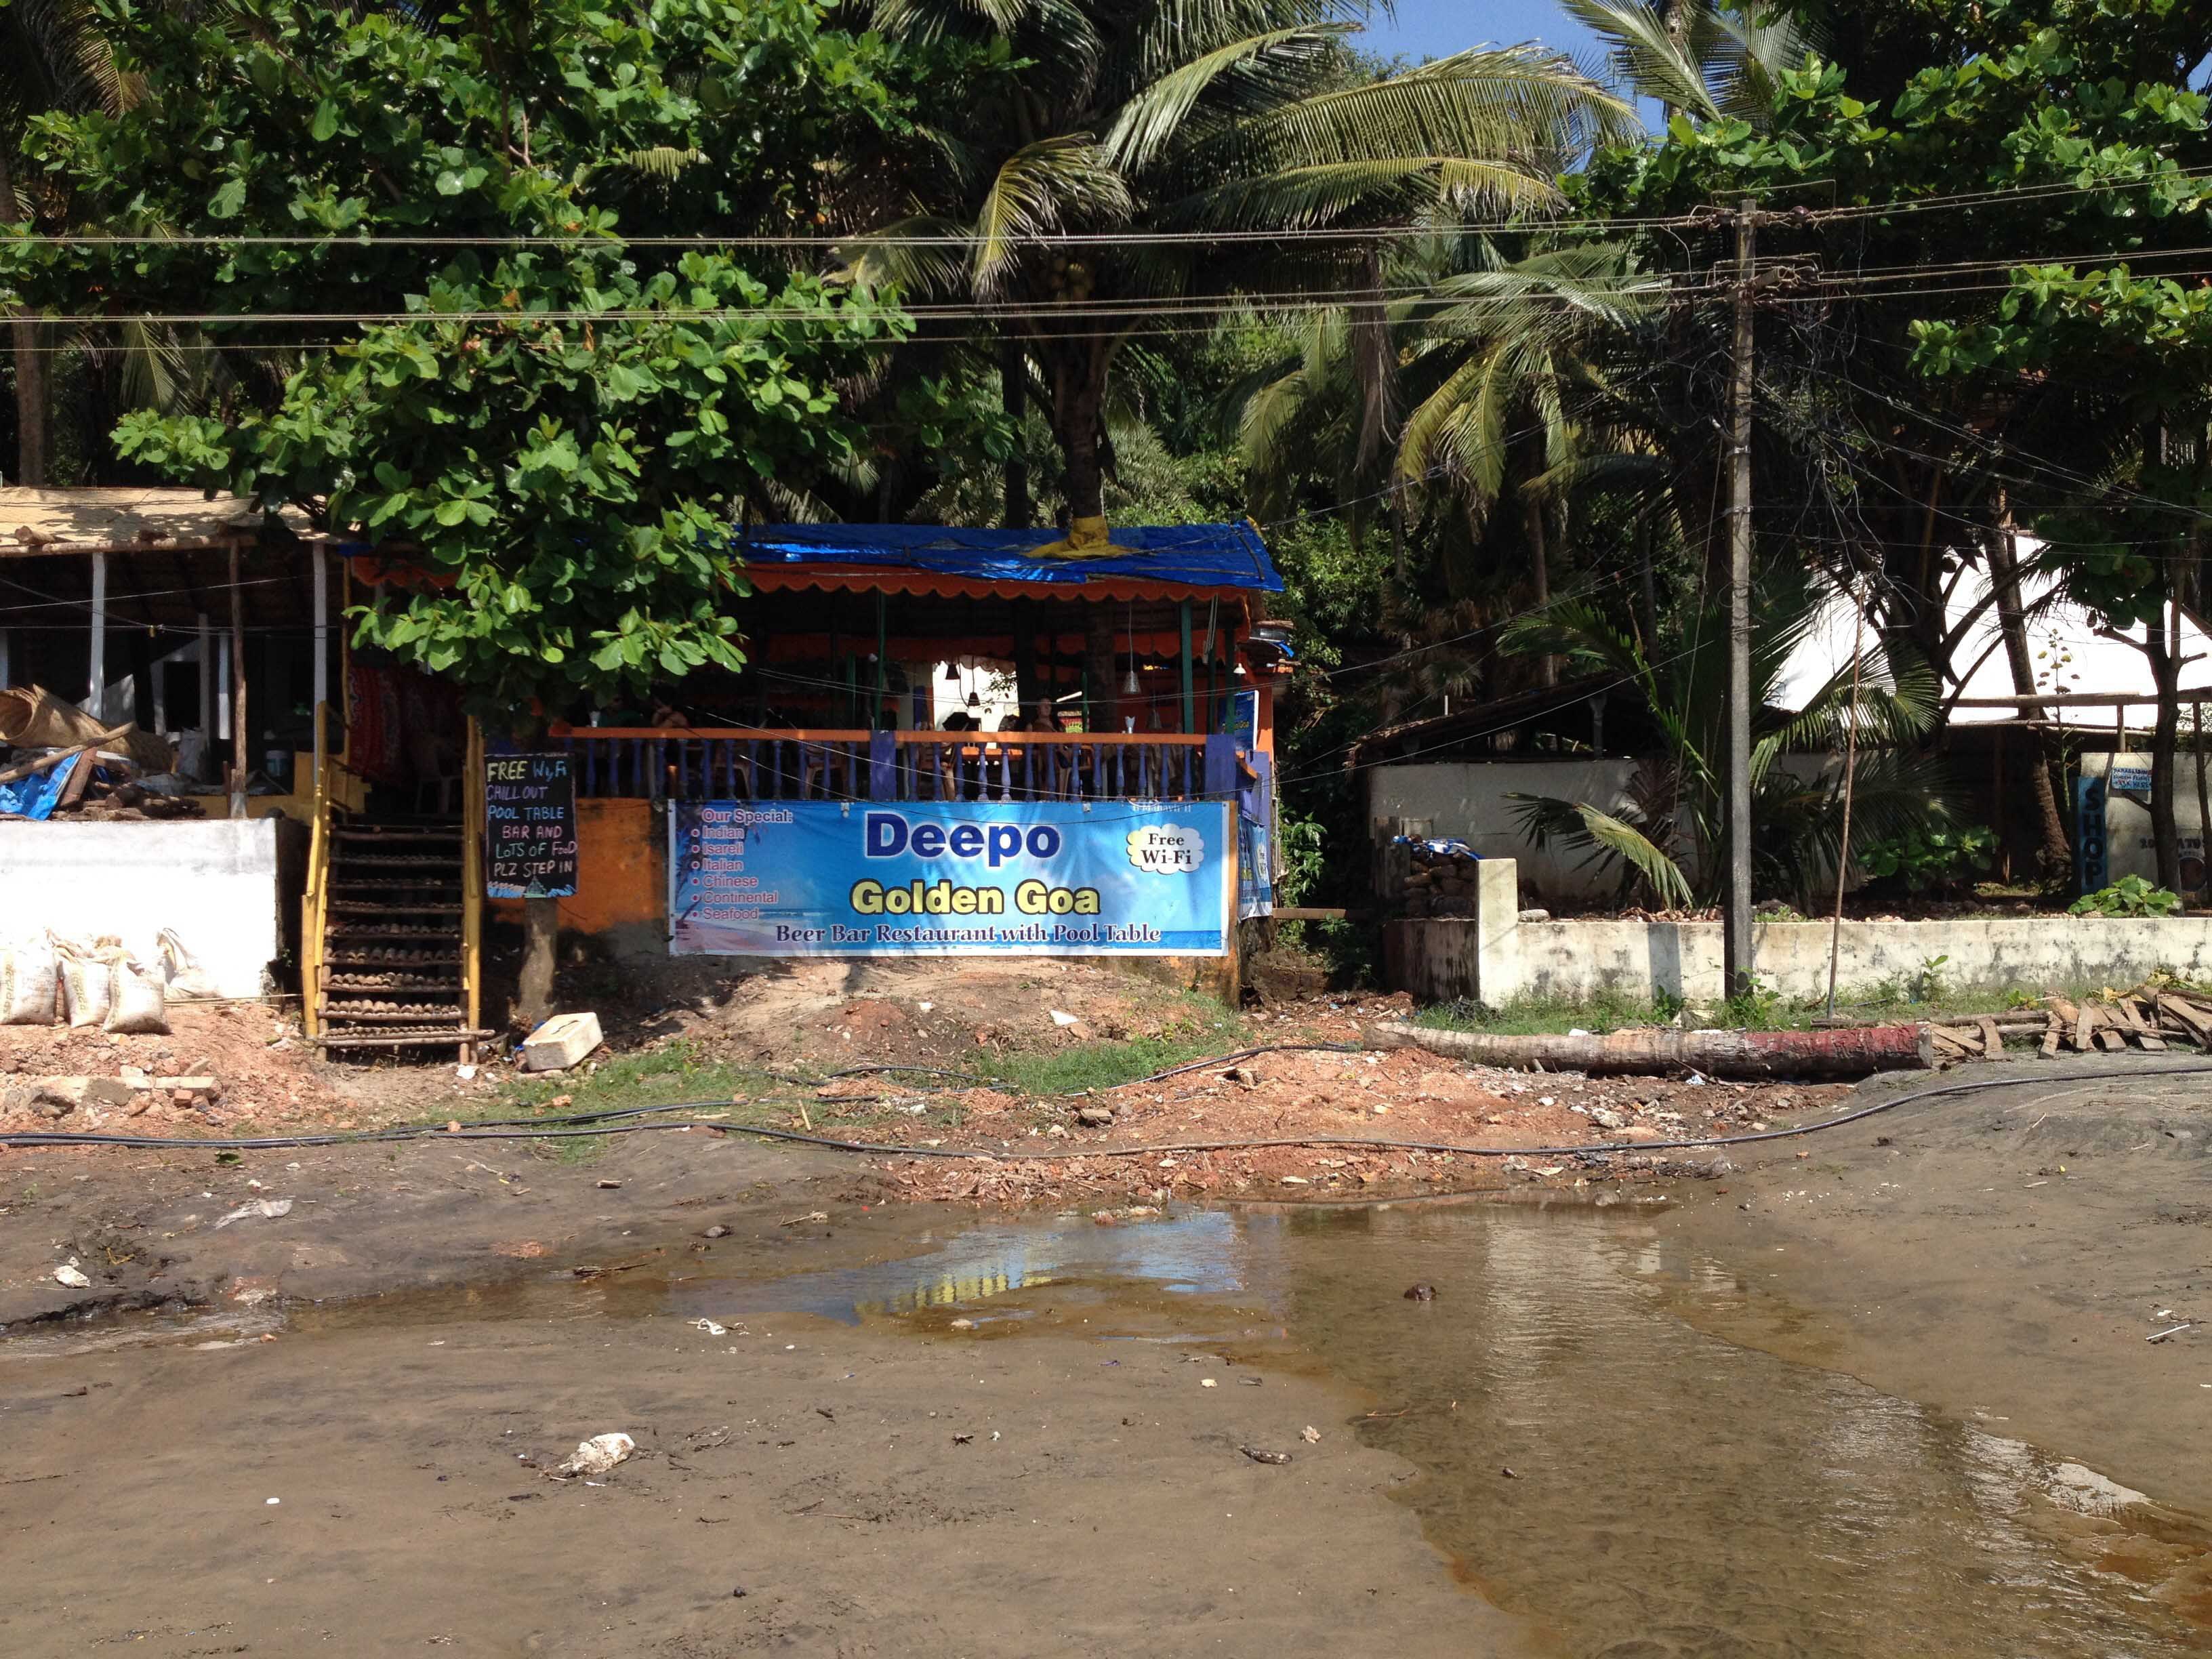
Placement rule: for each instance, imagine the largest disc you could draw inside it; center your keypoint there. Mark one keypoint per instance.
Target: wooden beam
(2081, 699)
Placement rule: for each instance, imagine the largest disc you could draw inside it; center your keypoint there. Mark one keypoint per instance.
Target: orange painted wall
(622, 870)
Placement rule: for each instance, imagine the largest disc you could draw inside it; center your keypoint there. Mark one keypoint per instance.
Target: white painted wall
(1470, 800)
(214, 881)
(1493, 960)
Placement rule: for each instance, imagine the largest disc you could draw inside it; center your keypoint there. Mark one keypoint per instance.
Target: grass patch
(1104, 1065)
(657, 1077)
(1535, 1016)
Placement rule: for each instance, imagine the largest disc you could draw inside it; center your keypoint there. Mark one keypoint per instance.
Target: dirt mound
(1398, 1095)
(263, 1069)
(927, 1013)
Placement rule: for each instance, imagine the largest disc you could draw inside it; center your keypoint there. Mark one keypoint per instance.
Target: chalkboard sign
(529, 826)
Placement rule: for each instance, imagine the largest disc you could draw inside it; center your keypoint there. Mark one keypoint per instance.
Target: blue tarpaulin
(35, 797)
(1197, 555)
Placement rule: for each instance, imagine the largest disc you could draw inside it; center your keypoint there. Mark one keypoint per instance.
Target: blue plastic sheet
(35, 797)
(1200, 554)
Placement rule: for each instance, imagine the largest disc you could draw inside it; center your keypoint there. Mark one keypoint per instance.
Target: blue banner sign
(857, 879)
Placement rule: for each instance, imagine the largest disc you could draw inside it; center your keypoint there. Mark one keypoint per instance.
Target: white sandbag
(87, 989)
(30, 977)
(135, 1001)
(185, 977)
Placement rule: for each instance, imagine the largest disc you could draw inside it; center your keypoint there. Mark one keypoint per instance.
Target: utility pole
(1736, 973)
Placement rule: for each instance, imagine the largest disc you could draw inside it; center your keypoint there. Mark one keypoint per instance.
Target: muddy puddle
(1606, 1447)
(1610, 1445)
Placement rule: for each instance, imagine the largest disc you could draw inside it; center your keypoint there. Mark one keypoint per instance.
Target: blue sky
(1431, 28)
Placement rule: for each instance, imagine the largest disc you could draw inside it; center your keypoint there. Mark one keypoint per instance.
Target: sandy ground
(2003, 1257)
(799, 1486)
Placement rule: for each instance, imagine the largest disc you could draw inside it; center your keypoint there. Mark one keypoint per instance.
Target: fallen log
(1852, 1052)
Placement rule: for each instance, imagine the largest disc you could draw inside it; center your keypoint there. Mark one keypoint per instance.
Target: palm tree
(1703, 59)
(1519, 376)
(1668, 837)
(1137, 154)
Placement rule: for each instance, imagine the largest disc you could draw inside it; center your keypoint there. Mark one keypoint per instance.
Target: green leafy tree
(554, 422)
(56, 60)
(565, 467)
(2007, 132)
(325, 162)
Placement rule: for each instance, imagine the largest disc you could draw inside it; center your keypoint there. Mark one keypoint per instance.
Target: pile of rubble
(1441, 881)
(131, 1093)
(58, 761)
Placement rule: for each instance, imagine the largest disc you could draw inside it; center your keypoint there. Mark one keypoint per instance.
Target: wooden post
(240, 745)
(312, 910)
(207, 692)
(1189, 697)
(322, 580)
(1738, 977)
(95, 701)
(345, 659)
(882, 669)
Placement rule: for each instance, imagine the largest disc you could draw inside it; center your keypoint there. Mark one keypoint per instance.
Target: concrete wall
(1493, 959)
(1468, 799)
(215, 882)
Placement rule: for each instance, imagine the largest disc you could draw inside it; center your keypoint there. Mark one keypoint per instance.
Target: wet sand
(1100, 1505)
(2002, 1257)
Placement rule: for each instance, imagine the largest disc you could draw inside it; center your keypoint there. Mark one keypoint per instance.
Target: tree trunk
(2166, 673)
(1079, 411)
(32, 427)
(1100, 669)
(1539, 570)
(2054, 854)
(1014, 396)
(1852, 1052)
(541, 932)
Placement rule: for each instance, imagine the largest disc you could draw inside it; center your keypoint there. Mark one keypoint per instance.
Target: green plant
(1299, 840)
(1930, 856)
(1666, 836)
(1928, 983)
(2130, 896)
(1758, 1007)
